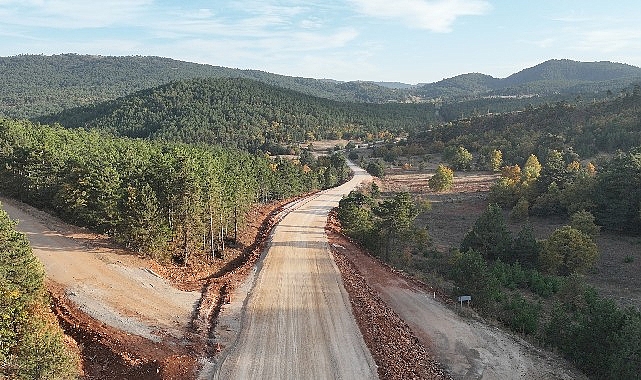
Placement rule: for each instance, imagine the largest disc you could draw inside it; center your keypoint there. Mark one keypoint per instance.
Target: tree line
(157, 198)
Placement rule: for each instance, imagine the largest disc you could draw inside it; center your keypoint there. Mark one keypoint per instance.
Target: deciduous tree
(568, 251)
(442, 180)
(458, 157)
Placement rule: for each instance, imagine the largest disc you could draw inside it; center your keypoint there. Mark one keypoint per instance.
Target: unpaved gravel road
(116, 289)
(297, 321)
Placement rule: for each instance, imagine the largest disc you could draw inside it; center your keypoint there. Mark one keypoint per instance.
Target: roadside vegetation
(533, 287)
(32, 345)
(581, 165)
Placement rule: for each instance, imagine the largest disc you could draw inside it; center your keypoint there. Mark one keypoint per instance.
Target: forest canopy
(241, 113)
(153, 197)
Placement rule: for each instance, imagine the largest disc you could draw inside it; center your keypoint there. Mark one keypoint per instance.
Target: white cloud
(544, 42)
(311, 23)
(434, 15)
(610, 40)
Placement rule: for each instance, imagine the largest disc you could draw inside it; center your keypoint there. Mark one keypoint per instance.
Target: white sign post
(467, 299)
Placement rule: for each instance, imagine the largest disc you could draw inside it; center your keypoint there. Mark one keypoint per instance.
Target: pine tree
(489, 236)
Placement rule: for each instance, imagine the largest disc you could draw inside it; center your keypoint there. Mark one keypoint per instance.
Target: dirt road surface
(297, 321)
(113, 288)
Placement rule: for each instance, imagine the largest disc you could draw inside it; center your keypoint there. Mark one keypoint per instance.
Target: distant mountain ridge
(568, 70)
(36, 85)
(548, 77)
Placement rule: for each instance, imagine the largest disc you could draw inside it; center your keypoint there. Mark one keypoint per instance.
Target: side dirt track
(467, 348)
(127, 321)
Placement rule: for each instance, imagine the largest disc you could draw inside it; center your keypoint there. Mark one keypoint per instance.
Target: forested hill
(553, 76)
(243, 113)
(34, 85)
(584, 128)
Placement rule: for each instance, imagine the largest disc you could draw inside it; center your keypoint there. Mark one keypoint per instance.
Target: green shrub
(521, 315)
(442, 180)
(472, 277)
(584, 222)
(376, 168)
(520, 210)
(542, 285)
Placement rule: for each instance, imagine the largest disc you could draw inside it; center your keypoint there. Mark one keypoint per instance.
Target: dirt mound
(109, 353)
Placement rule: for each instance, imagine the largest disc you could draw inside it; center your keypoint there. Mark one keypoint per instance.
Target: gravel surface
(297, 321)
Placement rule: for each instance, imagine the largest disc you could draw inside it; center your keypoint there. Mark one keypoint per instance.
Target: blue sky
(408, 41)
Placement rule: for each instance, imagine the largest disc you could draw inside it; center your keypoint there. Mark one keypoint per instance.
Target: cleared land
(454, 212)
(116, 289)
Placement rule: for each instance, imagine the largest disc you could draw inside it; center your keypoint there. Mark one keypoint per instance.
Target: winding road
(297, 321)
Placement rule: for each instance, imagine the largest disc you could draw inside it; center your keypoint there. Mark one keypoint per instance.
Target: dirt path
(468, 349)
(116, 289)
(297, 320)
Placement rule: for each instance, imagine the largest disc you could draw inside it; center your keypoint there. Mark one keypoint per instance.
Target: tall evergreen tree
(489, 236)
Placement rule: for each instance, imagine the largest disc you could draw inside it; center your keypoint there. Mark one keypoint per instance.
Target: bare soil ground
(398, 352)
(453, 212)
